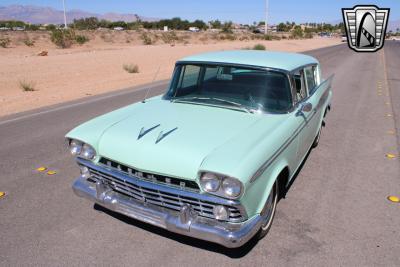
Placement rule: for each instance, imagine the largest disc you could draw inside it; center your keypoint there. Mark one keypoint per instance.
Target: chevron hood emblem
(162, 135)
(143, 131)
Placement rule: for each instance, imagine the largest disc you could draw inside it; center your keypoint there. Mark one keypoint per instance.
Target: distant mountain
(43, 15)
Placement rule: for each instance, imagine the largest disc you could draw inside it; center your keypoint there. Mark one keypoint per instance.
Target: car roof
(266, 59)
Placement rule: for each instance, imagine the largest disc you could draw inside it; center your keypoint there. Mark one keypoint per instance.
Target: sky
(238, 11)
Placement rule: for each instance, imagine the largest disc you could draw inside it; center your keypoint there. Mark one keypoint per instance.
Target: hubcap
(269, 209)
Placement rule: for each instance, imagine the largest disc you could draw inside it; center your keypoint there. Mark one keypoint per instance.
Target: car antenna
(148, 90)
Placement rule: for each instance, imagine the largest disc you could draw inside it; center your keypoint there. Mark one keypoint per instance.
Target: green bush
(81, 39)
(297, 33)
(63, 38)
(259, 47)
(5, 42)
(268, 37)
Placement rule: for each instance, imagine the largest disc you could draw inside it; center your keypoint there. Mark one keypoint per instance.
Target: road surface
(335, 212)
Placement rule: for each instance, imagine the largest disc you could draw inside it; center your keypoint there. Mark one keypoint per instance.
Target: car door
(302, 114)
(313, 117)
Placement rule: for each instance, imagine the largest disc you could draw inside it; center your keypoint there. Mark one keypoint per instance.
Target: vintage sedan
(212, 156)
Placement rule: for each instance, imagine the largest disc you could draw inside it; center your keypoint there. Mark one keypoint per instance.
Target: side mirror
(306, 107)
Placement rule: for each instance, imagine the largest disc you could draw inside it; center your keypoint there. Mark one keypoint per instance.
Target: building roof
(277, 60)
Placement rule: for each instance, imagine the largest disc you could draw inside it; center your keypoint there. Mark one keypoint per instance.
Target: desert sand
(97, 67)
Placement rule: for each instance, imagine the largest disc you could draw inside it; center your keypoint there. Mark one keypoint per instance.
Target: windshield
(243, 88)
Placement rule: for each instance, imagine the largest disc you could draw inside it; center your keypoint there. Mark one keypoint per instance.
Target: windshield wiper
(232, 103)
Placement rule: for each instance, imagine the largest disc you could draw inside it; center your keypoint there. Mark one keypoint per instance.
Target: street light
(65, 16)
(266, 16)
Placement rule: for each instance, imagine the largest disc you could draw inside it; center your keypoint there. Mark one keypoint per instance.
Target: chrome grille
(161, 198)
(155, 178)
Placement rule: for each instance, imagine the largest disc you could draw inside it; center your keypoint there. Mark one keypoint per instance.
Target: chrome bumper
(185, 222)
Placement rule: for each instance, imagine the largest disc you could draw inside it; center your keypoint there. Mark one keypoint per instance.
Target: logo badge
(366, 27)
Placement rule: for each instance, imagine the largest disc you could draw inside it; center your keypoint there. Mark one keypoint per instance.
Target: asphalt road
(335, 212)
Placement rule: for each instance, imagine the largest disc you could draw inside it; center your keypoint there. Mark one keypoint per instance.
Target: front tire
(268, 212)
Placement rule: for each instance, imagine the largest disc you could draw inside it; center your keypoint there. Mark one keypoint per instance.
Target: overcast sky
(238, 11)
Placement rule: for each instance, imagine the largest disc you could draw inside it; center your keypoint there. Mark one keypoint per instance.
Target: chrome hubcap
(269, 209)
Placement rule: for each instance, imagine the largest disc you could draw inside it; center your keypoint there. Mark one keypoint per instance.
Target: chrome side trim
(230, 235)
(323, 99)
(282, 148)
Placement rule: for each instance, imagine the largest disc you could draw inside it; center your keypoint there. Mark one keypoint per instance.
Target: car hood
(171, 138)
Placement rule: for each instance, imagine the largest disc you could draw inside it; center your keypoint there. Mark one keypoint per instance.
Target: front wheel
(268, 212)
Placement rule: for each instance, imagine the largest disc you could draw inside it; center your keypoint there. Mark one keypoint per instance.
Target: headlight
(75, 147)
(210, 182)
(232, 187)
(80, 149)
(221, 185)
(88, 152)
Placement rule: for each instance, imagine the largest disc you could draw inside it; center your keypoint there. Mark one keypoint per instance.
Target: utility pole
(65, 16)
(266, 16)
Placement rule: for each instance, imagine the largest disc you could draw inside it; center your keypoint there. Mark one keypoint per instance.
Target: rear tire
(317, 138)
(268, 212)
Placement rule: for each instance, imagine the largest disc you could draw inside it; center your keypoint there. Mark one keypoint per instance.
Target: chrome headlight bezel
(228, 187)
(81, 149)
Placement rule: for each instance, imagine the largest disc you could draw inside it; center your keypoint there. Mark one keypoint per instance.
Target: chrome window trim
(255, 67)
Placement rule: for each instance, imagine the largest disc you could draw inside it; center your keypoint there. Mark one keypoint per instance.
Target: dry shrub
(259, 47)
(131, 68)
(27, 86)
(5, 42)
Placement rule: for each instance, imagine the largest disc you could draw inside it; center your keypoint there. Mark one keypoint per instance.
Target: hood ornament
(162, 135)
(143, 132)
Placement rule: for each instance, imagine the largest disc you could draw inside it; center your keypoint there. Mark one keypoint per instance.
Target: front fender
(258, 191)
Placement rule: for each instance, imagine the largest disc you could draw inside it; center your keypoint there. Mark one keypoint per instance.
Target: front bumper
(185, 222)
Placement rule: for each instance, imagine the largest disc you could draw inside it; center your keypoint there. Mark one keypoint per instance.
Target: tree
(216, 24)
(282, 27)
(90, 23)
(227, 27)
(297, 32)
(199, 24)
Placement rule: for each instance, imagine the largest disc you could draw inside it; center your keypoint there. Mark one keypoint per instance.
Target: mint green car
(212, 156)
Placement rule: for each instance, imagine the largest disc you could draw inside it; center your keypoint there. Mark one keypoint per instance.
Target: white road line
(137, 89)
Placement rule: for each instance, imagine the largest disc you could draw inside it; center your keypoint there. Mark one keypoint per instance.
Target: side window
(311, 76)
(189, 76)
(300, 84)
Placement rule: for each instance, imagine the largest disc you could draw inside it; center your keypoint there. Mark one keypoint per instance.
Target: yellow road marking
(2, 194)
(41, 169)
(51, 172)
(391, 156)
(394, 199)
